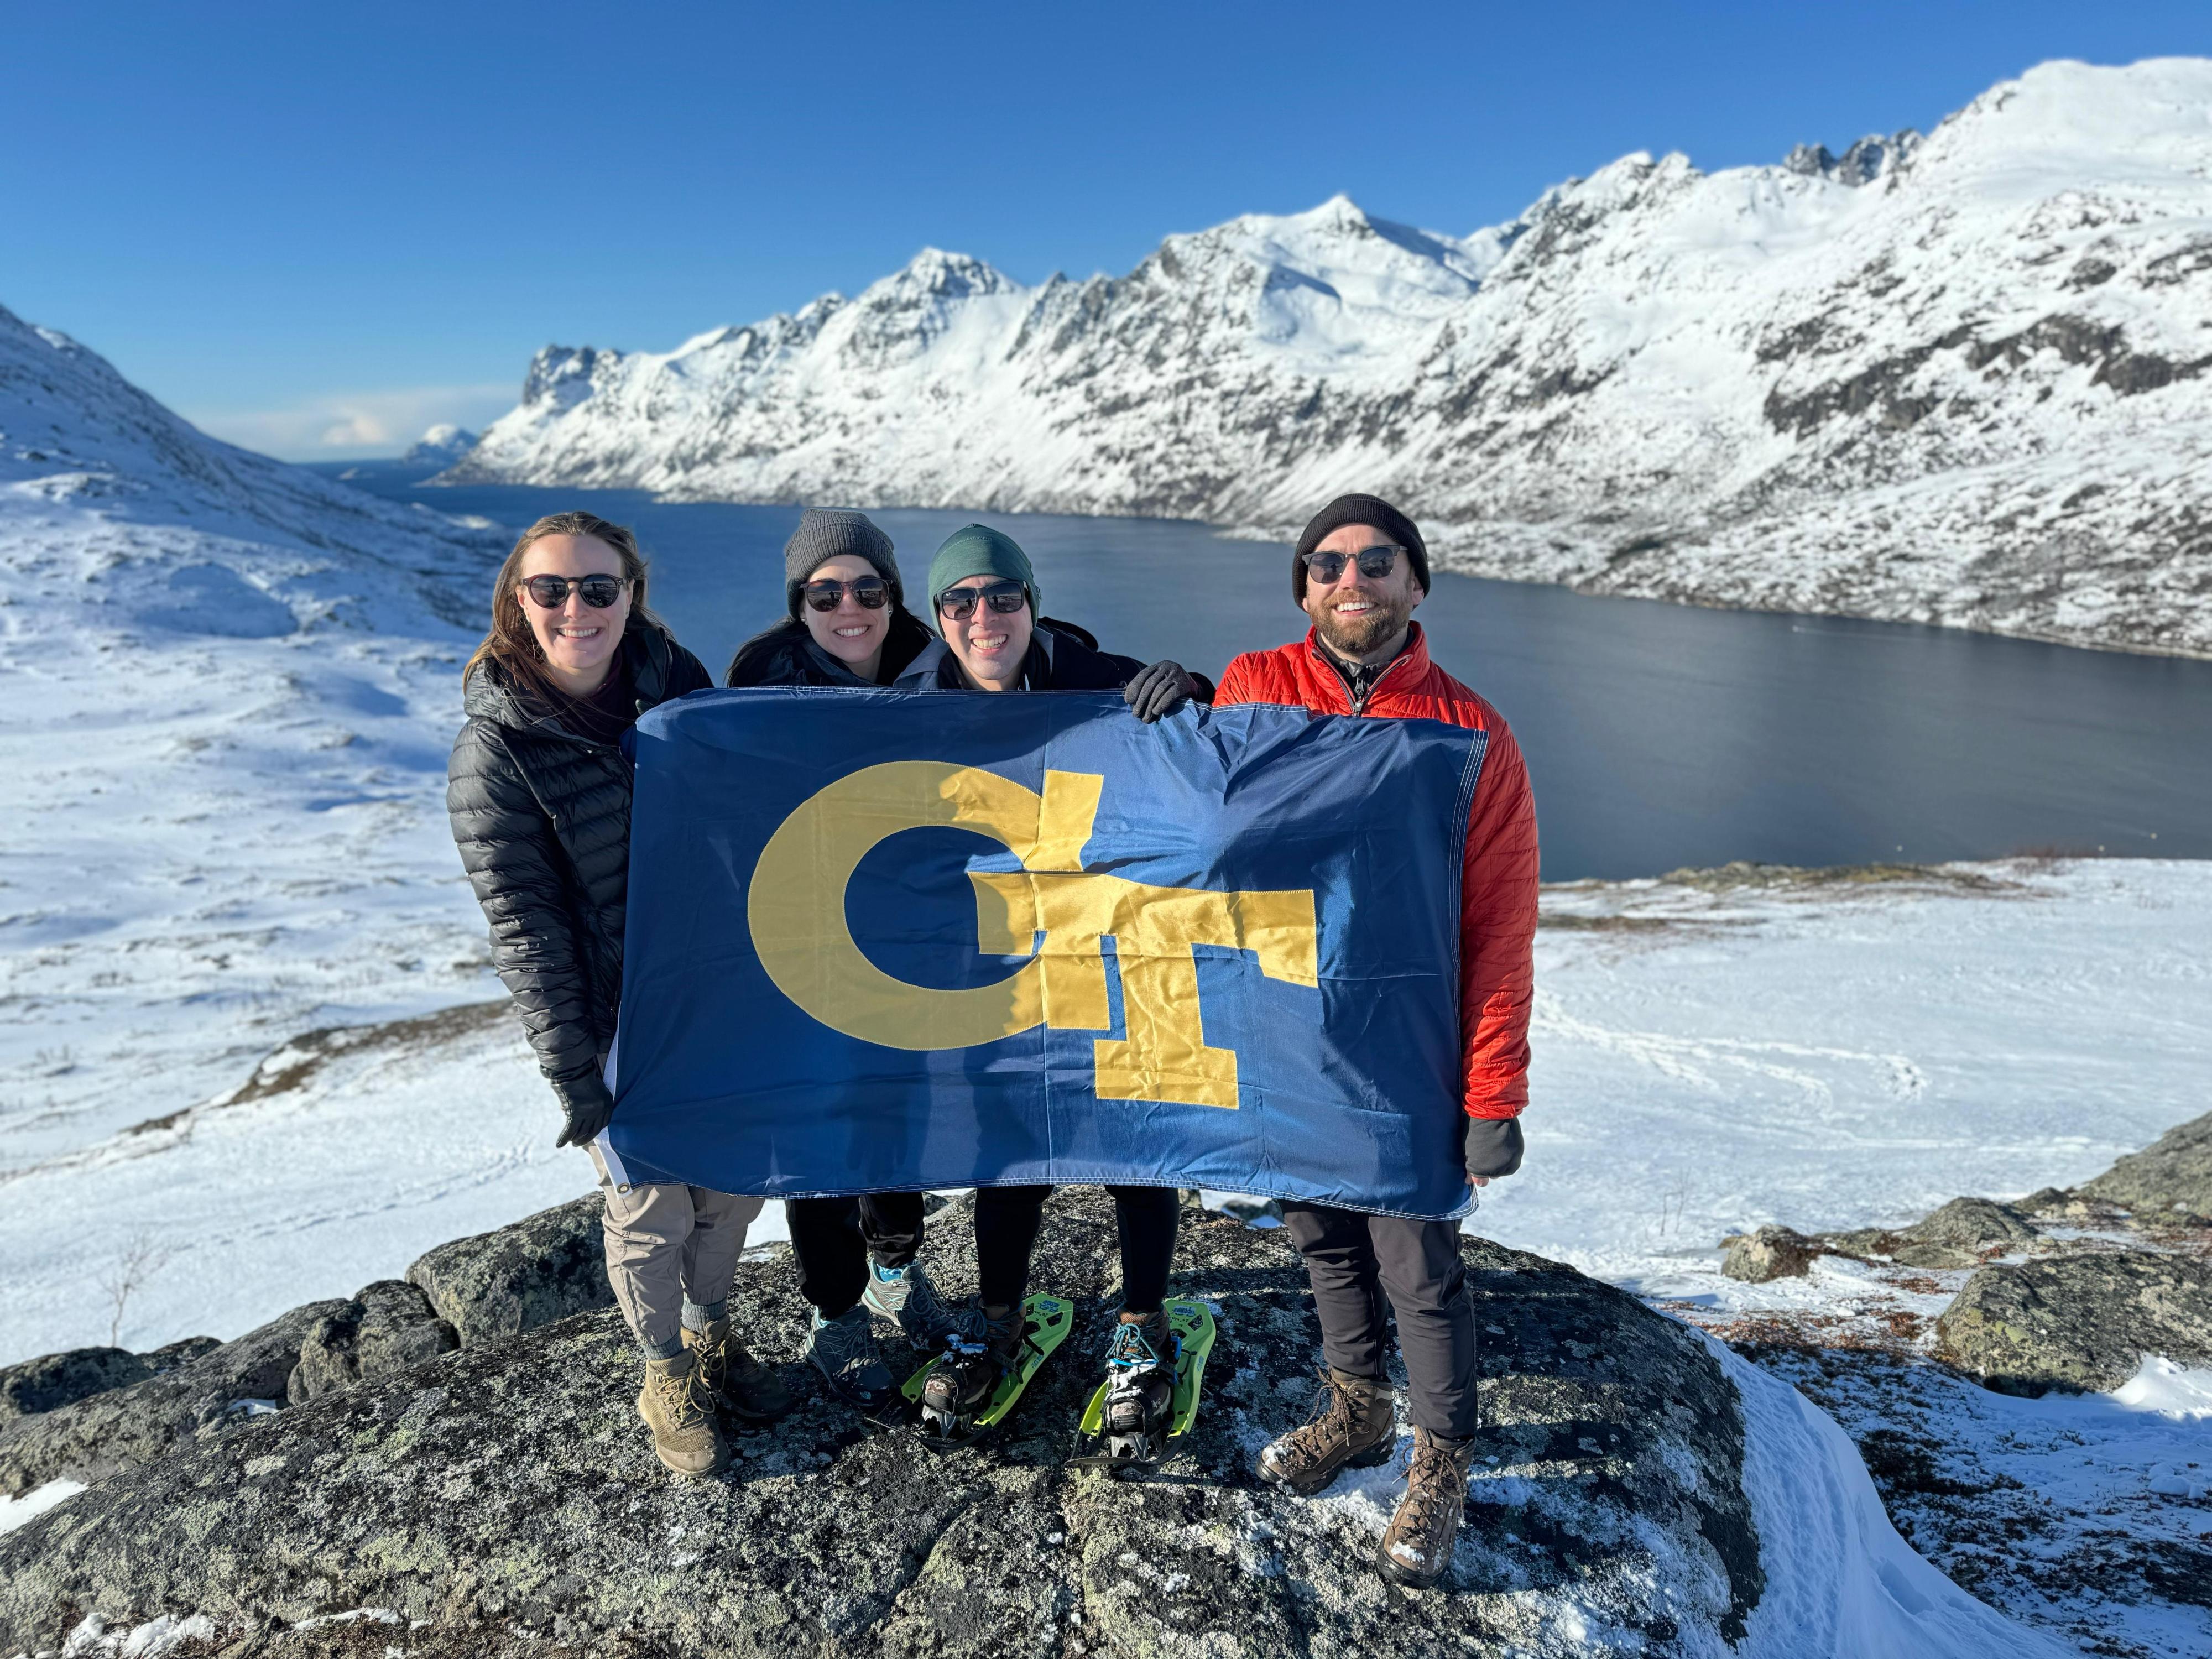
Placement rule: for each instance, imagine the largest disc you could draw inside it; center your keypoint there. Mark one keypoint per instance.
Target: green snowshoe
(972, 1386)
(1149, 1396)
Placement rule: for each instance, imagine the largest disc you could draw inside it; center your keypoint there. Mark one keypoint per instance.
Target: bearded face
(1357, 616)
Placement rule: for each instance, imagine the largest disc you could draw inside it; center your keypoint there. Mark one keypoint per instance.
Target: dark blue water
(1659, 736)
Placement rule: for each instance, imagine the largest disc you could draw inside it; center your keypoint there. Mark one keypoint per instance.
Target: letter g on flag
(1050, 910)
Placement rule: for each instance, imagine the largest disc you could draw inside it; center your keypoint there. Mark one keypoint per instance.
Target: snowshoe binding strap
(1130, 1417)
(972, 1386)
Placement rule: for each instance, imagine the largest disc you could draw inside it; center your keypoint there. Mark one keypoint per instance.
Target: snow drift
(227, 690)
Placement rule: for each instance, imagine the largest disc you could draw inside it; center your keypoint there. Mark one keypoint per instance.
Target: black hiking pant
(1007, 1223)
(1353, 1262)
(834, 1238)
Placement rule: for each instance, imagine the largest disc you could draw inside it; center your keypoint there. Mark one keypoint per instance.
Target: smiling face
(852, 634)
(1360, 618)
(579, 641)
(988, 646)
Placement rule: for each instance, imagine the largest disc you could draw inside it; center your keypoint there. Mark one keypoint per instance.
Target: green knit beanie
(977, 549)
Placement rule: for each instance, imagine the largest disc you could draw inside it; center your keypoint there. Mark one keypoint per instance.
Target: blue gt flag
(883, 940)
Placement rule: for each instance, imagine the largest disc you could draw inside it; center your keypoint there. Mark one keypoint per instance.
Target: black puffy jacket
(542, 819)
(1061, 657)
(786, 654)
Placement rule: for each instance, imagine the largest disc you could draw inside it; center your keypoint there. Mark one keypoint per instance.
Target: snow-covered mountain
(228, 688)
(441, 447)
(1956, 379)
(125, 517)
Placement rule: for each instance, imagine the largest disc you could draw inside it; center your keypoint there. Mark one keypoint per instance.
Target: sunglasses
(551, 593)
(869, 593)
(1004, 597)
(1374, 563)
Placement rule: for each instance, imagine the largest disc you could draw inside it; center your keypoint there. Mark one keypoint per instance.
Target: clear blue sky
(317, 228)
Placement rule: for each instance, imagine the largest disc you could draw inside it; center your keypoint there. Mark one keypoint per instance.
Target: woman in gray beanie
(848, 623)
(849, 626)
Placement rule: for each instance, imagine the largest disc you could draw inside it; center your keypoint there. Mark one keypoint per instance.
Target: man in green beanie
(983, 598)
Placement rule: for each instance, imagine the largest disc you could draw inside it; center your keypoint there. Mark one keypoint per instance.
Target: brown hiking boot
(736, 1382)
(1352, 1426)
(676, 1408)
(1416, 1546)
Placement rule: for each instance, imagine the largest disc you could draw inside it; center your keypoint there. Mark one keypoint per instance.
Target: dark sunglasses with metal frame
(869, 593)
(1004, 597)
(1374, 563)
(551, 593)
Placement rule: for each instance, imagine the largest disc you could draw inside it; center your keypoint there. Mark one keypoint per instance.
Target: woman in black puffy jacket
(539, 791)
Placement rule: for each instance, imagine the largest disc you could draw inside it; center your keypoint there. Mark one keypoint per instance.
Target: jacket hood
(786, 654)
(1061, 657)
(929, 669)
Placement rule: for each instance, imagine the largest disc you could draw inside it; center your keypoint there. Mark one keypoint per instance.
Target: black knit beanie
(824, 534)
(1376, 514)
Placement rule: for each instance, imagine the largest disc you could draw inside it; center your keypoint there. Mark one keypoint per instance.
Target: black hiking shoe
(979, 1355)
(843, 1350)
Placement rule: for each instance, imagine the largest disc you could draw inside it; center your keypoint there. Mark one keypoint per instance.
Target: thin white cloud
(354, 426)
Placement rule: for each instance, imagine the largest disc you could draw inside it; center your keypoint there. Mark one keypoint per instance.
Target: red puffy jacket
(1498, 883)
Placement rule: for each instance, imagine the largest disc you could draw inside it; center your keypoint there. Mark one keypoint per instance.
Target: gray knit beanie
(824, 534)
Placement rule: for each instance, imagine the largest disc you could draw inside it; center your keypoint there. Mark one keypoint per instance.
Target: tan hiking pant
(668, 1243)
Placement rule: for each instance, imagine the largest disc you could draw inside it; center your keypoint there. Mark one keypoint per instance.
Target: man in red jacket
(1360, 569)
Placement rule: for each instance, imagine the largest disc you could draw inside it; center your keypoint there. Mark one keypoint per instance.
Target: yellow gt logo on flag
(1050, 910)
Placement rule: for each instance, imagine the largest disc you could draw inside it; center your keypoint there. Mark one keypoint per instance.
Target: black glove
(1159, 691)
(1493, 1146)
(588, 1105)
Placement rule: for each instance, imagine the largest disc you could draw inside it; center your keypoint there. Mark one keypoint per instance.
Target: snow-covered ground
(227, 690)
(1732, 1049)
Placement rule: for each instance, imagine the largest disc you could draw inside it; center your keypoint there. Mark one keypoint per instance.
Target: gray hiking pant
(667, 1245)
(1352, 1262)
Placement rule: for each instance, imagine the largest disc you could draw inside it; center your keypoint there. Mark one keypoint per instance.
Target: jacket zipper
(1358, 705)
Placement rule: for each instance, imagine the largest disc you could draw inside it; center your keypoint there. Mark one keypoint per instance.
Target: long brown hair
(511, 643)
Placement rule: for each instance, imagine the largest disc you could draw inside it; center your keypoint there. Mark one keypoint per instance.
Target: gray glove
(588, 1106)
(1158, 690)
(1493, 1146)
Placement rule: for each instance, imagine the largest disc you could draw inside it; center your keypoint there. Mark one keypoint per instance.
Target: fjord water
(1659, 736)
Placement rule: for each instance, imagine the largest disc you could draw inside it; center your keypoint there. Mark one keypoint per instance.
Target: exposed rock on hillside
(2083, 1322)
(1767, 1254)
(2169, 1180)
(1958, 379)
(502, 1500)
(55, 1380)
(387, 1327)
(1960, 1233)
(542, 1268)
(95, 1435)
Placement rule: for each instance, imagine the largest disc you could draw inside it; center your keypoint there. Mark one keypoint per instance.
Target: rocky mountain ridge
(1955, 379)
